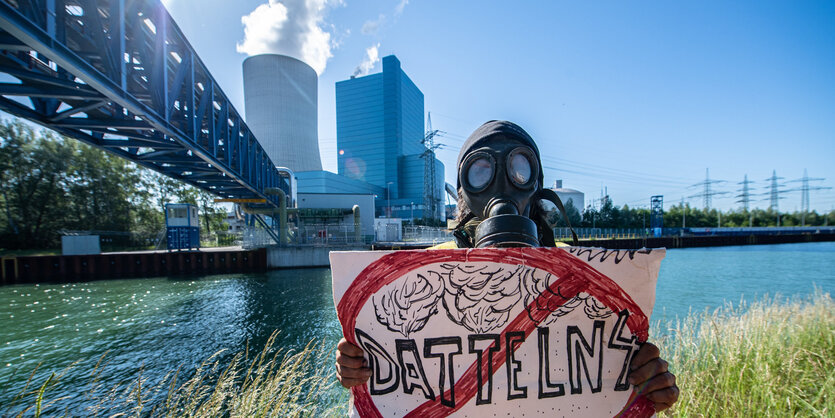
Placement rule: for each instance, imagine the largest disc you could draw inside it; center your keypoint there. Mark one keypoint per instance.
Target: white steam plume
(400, 6)
(289, 27)
(370, 27)
(372, 56)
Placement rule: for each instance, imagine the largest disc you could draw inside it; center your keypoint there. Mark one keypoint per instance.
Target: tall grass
(772, 358)
(272, 383)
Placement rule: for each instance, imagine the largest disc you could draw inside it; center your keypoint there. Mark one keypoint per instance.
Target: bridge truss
(121, 76)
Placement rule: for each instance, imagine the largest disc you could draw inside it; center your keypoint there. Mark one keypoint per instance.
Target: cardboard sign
(504, 332)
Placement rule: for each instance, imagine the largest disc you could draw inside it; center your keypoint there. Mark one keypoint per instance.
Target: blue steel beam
(120, 75)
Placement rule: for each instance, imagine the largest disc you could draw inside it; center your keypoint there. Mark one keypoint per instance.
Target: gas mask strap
(549, 194)
(461, 239)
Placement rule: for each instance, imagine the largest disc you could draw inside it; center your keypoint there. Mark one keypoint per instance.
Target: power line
(804, 193)
(745, 196)
(708, 192)
(774, 192)
(430, 198)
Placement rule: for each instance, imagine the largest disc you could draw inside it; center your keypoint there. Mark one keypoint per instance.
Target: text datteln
(584, 351)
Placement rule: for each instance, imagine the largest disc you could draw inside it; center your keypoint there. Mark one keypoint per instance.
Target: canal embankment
(705, 240)
(632, 242)
(76, 268)
(117, 265)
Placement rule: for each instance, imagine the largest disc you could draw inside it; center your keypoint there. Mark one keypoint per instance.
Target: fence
(602, 233)
(426, 234)
(330, 235)
(335, 235)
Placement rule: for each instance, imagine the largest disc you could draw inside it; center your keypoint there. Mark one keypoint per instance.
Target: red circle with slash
(574, 276)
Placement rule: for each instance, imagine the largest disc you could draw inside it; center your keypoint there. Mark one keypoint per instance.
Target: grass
(272, 383)
(774, 357)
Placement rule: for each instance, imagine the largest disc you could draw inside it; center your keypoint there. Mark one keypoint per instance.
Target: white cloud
(400, 6)
(289, 27)
(370, 26)
(372, 56)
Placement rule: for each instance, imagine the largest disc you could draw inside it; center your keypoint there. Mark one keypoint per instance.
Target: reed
(271, 382)
(775, 357)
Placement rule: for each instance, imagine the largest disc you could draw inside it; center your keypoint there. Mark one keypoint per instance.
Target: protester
(500, 195)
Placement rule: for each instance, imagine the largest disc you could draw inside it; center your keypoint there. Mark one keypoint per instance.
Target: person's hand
(351, 369)
(649, 373)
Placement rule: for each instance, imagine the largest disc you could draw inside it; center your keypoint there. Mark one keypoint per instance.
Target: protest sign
(503, 332)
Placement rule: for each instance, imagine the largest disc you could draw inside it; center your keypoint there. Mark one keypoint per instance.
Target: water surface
(161, 324)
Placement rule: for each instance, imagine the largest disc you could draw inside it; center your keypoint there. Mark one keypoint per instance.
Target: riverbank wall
(305, 256)
(686, 241)
(705, 241)
(76, 268)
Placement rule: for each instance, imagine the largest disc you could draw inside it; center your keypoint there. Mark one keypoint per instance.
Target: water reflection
(155, 324)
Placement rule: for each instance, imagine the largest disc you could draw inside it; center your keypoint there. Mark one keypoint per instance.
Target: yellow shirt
(450, 245)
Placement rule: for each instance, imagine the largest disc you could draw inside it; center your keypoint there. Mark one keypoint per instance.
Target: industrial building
(281, 101)
(576, 197)
(379, 136)
(384, 168)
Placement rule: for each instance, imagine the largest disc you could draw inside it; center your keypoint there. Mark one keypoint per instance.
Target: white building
(576, 197)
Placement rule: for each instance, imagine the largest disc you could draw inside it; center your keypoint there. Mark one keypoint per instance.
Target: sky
(630, 98)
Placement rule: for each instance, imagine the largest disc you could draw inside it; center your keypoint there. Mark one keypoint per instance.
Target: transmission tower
(745, 196)
(708, 192)
(804, 193)
(774, 192)
(745, 199)
(430, 192)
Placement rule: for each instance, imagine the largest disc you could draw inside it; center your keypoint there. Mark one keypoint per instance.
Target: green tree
(34, 182)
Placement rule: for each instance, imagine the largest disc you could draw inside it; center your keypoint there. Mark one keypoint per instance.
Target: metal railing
(602, 233)
(323, 235)
(426, 234)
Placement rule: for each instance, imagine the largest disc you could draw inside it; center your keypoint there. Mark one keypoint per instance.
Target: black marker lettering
(545, 369)
(376, 353)
(513, 339)
(411, 369)
(493, 342)
(445, 374)
(577, 360)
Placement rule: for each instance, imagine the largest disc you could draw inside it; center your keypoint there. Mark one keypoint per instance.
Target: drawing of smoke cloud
(405, 305)
(480, 297)
(536, 282)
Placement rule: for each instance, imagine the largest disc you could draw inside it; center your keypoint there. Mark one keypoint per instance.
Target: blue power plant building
(379, 134)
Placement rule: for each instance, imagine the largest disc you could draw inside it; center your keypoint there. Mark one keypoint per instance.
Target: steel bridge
(121, 76)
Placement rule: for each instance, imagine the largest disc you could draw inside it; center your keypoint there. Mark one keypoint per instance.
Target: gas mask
(500, 179)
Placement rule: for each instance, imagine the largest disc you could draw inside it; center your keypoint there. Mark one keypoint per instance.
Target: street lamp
(388, 197)
(412, 220)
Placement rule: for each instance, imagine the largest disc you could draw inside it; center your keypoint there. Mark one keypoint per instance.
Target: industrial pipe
(357, 223)
(294, 194)
(282, 212)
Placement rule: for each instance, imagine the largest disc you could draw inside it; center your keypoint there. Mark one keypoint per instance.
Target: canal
(160, 324)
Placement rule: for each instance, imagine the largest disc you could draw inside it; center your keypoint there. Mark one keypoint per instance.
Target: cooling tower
(280, 95)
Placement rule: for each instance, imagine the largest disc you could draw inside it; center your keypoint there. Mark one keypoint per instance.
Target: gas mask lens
(519, 167)
(480, 172)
